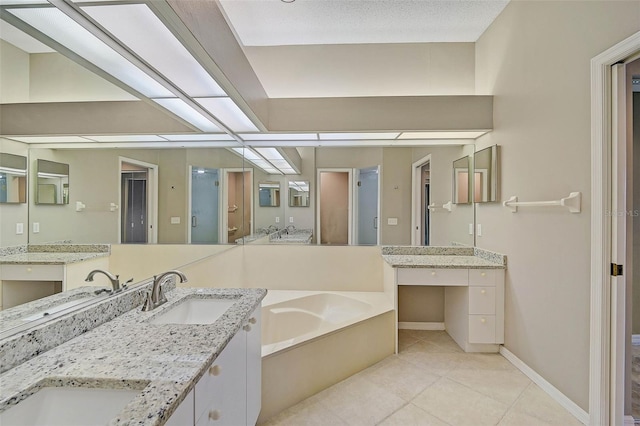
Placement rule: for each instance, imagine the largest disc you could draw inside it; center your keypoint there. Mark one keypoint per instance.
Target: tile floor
(431, 382)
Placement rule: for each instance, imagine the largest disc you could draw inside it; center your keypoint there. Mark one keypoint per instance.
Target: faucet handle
(124, 286)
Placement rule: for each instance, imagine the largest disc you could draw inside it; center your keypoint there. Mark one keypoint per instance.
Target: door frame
(602, 325)
(416, 198)
(152, 198)
(350, 216)
(224, 205)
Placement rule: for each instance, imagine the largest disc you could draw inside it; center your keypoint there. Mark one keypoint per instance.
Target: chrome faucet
(156, 296)
(115, 281)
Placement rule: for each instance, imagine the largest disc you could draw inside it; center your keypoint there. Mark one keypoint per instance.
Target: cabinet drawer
(482, 277)
(32, 272)
(482, 329)
(433, 276)
(482, 300)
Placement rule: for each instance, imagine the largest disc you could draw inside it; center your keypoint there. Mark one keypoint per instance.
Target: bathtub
(314, 339)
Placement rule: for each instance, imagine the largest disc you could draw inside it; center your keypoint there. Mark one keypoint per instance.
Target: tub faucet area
(156, 296)
(115, 279)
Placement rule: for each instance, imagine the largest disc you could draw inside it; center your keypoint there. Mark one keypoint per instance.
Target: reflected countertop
(52, 254)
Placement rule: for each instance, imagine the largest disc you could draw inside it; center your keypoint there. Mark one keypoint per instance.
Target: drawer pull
(252, 320)
(483, 291)
(214, 370)
(484, 274)
(29, 269)
(433, 273)
(483, 320)
(214, 415)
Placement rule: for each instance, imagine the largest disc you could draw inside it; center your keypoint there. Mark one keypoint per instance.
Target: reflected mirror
(462, 181)
(52, 182)
(269, 194)
(299, 193)
(13, 178)
(485, 175)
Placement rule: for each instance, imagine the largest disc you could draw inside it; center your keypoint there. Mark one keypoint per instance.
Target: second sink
(194, 311)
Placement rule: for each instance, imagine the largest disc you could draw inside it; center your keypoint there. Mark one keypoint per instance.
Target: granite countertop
(302, 236)
(442, 257)
(52, 254)
(164, 361)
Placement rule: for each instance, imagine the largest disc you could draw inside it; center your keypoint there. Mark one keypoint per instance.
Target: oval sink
(194, 311)
(68, 406)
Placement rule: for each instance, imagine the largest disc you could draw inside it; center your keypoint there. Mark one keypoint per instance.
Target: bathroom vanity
(155, 367)
(473, 281)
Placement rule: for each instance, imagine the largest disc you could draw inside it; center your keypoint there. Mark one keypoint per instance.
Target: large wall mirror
(52, 182)
(13, 178)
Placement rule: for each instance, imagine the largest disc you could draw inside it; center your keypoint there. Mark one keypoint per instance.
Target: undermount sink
(194, 311)
(68, 406)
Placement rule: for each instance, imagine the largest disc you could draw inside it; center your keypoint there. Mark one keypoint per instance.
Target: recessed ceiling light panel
(188, 113)
(227, 112)
(357, 136)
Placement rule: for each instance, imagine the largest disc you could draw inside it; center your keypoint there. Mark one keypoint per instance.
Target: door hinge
(359, 183)
(616, 270)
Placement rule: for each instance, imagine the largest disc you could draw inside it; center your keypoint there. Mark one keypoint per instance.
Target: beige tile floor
(431, 382)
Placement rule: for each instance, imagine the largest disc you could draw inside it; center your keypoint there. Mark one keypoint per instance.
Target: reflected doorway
(237, 211)
(334, 216)
(367, 204)
(420, 203)
(205, 205)
(138, 202)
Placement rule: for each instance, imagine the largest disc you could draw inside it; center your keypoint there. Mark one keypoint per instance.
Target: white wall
(534, 59)
(14, 74)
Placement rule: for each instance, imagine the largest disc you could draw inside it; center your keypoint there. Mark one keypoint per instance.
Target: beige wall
(14, 74)
(365, 69)
(534, 59)
(11, 214)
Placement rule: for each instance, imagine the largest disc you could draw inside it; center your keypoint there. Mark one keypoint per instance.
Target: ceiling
(304, 22)
(300, 22)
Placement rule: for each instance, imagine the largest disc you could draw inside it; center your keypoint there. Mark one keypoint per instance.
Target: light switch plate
(471, 229)
(19, 228)
(392, 221)
(479, 230)
(36, 227)
(277, 219)
(175, 220)
(290, 219)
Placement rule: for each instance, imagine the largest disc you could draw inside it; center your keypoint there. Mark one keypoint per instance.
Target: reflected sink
(68, 406)
(59, 308)
(194, 311)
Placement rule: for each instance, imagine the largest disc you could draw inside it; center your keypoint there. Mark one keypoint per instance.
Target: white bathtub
(314, 339)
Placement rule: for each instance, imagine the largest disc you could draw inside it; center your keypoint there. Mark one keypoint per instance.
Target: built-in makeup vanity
(473, 281)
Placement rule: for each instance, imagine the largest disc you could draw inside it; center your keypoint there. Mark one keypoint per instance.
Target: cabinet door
(184, 413)
(221, 392)
(254, 367)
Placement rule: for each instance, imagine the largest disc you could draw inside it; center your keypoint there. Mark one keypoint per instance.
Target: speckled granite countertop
(299, 236)
(164, 362)
(442, 257)
(53, 254)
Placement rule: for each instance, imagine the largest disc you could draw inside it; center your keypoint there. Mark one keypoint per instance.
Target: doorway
(335, 211)
(421, 202)
(205, 205)
(612, 236)
(237, 202)
(138, 201)
(367, 205)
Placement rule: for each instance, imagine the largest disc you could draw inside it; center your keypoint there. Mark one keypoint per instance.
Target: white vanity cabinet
(474, 303)
(184, 413)
(229, 393)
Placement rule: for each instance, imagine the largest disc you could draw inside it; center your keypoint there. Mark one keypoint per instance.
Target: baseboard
(433, 326)
(551, 390)
(629, 421)
(635, 339)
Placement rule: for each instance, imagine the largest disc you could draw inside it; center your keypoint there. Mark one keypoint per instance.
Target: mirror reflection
(52, 182)
(269, 194)
(13, 178)
(299, 193)
(486, 175)
(462, 186)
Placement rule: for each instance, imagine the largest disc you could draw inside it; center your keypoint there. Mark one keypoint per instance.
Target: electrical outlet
(290, 219)
(36, 227)
(175, 220)
(471, 229)
(479, 230)
(277, 219)
(392, 221)
(19, 228)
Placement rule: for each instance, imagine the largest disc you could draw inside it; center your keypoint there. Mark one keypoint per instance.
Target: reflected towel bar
(448, 206)
(572, 202)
